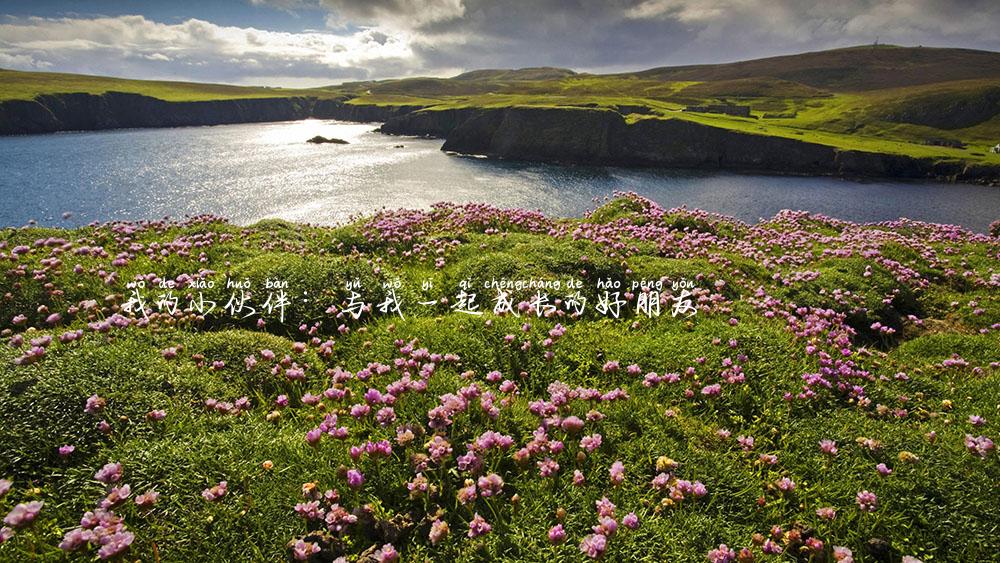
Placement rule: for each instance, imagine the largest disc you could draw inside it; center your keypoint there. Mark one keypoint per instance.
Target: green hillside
(19, 85)
(916, 101)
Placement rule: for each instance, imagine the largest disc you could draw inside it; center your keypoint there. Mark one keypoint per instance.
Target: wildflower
(722, 554)
(785, 485)
(829, 447)
(116, 496)
(572, 424)
(842, 554)
(826, 513)
(67, 450)
(548, 467)
(478, 526)
(439, 531)
(147, 499)
(355, 479)
(115, 544)
(467, 493)
(490, 485)
(156, 416)
(387, 554)
(630, 521)
(95, 404)
(557, 534)
(578, 478)
(883, 470)
(605, 508)
(110, 473)
(23, 514)
(303, 550)
(867, 501)
(980, 446)
(5, 485)
(591, 442)
(617, 473)
(593, 546)
(216, 492)
(606, 526)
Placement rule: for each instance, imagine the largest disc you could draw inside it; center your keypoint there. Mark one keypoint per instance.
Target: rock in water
(319, 139)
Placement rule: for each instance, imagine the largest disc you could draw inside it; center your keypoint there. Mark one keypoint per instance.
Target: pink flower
(842, 554)
(147, 499)
(5, 485)
(478, 526)
(829, 447)
(355, 479)
(572, 424)
(116, 496)
(722, 554)
(630, 521)
(980, 446)
(593, 546)
(883, 470)
(617, 473)
(439, 531)
(591, 442)
(115, 544)
(387, 554)
(557, 534)
(66, 451)
(95, 404)
(110, 473)
(303, 550)
(826, 513)
(867, 501)
(216, 492)
(23, 514)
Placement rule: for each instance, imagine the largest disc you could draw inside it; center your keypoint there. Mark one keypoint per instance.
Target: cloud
(366, 39)
(199, 49)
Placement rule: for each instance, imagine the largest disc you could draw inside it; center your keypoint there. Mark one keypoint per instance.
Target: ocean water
(254, 171)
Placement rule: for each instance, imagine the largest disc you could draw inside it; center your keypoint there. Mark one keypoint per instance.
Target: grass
(881, 99)
(826, 283)
(18, 85)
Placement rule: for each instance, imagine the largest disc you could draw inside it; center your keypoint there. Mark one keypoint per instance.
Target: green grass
(18, 85)
(940, 508)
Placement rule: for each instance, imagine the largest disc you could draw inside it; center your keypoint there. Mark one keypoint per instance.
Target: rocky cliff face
(564, 135)
(114, 110)
(595, 136)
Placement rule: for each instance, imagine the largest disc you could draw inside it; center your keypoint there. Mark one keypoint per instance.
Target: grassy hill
(19, 85)
(836, 388)
(916, 101)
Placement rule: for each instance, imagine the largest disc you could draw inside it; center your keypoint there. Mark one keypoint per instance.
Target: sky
(300, 43)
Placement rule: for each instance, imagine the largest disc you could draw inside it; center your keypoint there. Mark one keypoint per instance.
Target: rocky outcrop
(115, 110)
(601, 136)
(580, 135)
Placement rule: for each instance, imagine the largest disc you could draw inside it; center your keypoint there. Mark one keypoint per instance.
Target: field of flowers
(835, 397)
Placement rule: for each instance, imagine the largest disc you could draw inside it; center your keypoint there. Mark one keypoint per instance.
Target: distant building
(728, 109)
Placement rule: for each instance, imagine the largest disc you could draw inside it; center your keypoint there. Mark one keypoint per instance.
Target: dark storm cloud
(353, 39)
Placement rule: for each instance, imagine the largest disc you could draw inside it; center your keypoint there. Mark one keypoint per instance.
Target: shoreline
(576, 136)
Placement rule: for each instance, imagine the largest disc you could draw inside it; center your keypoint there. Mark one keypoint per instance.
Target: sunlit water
(255, 171)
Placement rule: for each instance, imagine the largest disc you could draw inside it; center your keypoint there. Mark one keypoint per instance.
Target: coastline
(553, 135)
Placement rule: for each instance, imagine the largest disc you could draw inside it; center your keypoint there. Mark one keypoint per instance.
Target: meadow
(824, 390)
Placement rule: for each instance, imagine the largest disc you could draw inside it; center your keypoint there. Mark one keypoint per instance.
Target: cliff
(562, 135)
(596, 136)
(114, 110)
